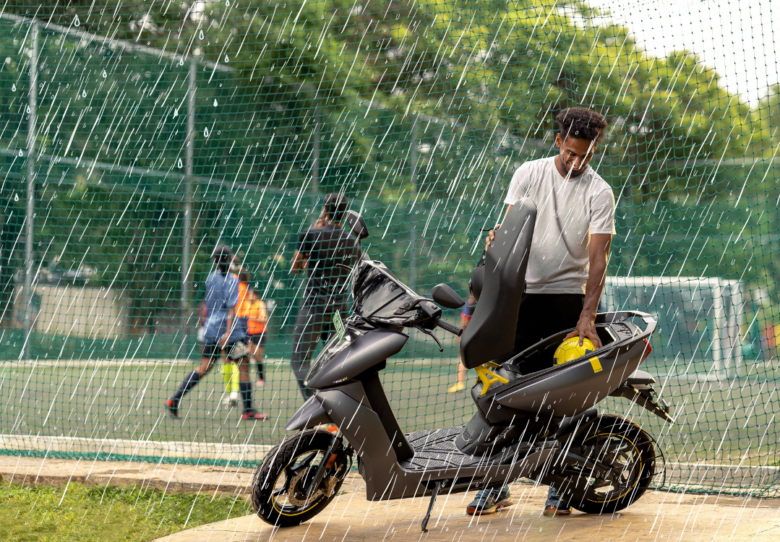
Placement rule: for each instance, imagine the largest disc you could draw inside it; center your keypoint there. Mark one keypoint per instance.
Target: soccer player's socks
(260, 373)
(246, 395)
(186, 385)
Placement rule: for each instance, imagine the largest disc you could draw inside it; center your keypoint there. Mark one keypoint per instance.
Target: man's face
(575, 153)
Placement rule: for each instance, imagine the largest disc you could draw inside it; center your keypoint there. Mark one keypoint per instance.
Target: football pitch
(50, 404)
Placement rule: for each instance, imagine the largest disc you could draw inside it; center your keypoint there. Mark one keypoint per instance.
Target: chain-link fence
(135, 139)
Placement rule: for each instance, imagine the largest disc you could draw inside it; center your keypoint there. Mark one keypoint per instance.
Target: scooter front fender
(311, 414)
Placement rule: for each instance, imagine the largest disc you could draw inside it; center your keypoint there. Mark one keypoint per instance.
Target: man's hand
(586, 328)
(224, 339)
(491, 237)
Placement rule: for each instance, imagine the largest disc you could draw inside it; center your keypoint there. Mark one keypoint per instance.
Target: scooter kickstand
(436, 488)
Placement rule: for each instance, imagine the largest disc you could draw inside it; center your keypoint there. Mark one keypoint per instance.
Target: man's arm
(300, 261)
(598, 254)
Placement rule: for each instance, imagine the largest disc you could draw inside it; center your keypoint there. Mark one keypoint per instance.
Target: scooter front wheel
(281, 492)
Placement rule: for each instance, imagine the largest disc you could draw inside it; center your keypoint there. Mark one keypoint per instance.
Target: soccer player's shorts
(235, 351)
(212, 351)
(257, 339)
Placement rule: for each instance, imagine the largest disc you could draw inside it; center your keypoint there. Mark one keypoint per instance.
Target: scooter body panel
(359, 356)
(567, 390)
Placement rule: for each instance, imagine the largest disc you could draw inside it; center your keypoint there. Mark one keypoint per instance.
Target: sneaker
(252, 415)
(489, 501)
(460, 386)
(173, 408)
(260, 383)
(551, 511)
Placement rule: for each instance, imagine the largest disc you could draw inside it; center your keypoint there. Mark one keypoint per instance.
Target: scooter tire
(275, 465)
(638, 444)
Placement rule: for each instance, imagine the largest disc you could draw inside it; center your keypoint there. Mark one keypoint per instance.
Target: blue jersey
(221, 295)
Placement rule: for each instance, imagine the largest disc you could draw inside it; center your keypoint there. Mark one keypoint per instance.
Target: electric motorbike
(538, 424)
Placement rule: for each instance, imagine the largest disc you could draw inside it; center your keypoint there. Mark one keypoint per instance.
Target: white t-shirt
(567, 212)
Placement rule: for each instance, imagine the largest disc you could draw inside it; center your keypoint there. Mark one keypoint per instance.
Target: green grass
(84, 514)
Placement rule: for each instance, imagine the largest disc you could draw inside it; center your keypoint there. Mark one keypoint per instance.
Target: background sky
(737, 37)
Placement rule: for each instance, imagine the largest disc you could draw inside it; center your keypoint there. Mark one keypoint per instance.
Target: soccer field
(50, 404)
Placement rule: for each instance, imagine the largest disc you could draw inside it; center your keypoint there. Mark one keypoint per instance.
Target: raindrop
(104, 74)
(28, 109)
(226, 59)
(175, 113)
(16, 197)
(180, 164)
(227, 3)
(205, 132)
(76, 21)
(200, 36)
(83, 93)
(21, 153)
(215, 102)
(13, 87)
(181, 61)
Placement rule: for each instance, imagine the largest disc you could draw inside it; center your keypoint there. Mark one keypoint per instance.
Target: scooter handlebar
(446, 326)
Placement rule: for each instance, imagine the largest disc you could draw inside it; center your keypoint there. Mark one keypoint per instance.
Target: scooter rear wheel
(621, 443)
(278, 494)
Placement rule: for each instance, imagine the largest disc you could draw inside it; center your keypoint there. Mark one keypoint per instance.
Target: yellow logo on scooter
(570, 349)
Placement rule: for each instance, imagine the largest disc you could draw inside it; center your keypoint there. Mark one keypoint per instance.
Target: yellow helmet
(570, 349)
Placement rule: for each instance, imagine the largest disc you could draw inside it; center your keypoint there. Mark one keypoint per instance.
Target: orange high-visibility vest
(257, 317)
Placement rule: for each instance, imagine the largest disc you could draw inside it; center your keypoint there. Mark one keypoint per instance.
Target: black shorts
(212, 351)
(256, 339)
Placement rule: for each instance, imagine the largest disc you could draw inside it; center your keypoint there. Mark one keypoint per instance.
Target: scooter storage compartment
(571, 388)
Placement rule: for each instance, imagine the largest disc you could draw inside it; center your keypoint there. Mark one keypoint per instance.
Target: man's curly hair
(582, 123)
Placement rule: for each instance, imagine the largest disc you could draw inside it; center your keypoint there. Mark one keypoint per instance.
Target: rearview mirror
(356, 224)
(445, 296)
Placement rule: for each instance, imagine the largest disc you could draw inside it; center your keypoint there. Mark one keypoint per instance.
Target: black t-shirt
(326, 246)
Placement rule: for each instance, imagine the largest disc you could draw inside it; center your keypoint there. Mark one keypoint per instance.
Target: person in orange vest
(257, 317)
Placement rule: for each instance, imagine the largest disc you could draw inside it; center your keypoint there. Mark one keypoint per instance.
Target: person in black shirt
(328, 253)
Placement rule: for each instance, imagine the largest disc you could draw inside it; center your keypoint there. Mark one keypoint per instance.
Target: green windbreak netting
(136, 137)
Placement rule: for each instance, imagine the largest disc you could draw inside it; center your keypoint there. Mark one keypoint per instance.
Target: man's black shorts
(257, 339)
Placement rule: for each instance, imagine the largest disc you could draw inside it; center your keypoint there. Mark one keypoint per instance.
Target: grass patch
(85, 514)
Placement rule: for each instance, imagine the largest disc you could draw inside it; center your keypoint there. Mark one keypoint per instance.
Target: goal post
(699, 321)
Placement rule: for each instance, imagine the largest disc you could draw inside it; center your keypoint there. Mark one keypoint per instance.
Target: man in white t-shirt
(568, 259)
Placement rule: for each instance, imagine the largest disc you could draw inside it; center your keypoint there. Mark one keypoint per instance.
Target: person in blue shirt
(221, 331)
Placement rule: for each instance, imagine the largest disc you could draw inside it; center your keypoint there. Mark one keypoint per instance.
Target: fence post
(413, 232)
(29, 222)
(315, 159)
(188, 154)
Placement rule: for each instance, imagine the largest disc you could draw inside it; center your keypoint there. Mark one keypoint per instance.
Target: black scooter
(539, 425)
